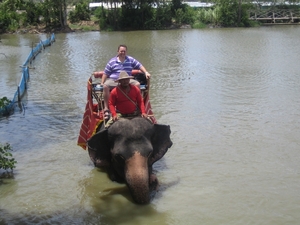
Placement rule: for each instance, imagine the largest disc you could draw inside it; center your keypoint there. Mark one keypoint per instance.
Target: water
(231, 97)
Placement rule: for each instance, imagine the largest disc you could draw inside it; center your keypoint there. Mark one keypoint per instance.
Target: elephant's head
(129, 148)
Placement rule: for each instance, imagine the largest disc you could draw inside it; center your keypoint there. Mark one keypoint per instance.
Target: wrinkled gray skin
(128, 150)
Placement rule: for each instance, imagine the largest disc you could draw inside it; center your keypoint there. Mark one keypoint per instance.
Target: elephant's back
(137, 124)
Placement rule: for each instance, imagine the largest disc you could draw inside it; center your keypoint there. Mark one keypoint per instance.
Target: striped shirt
(115, 66)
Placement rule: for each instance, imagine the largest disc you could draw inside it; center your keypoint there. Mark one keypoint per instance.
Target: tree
(81, 12)
(232, 13)
(239, 11)
(55, 13)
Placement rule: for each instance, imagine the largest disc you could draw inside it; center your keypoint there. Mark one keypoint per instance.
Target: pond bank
(82, 26)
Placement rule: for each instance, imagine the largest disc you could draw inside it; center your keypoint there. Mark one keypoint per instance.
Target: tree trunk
(240, 12)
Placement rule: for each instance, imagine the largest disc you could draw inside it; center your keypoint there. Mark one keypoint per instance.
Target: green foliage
(139, 18)
(175, 5)
(227, 12)
(98, 12)
(81, 12)
(53, 12)
(162, 17)
(189, 15)
(110, 19)
(6, 158)
(33, 12)
(8, 16)
(4, 102)
(184, 15)
(5, 107)
(102, 15)
(133, 15)
(14, 25)
(16, 13)
(231, 13)
(206, 16)
(244, 21)
(179, 14)
(133, 18)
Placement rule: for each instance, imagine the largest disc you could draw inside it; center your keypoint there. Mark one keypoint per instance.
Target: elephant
(127, 151)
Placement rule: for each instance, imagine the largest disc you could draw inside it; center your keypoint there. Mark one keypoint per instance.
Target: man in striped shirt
(121, 62)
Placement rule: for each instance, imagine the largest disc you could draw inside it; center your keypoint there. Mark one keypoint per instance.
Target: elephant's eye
(119, 158)
(149, 154)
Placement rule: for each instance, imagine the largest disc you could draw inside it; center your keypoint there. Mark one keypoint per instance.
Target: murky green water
(231, 97)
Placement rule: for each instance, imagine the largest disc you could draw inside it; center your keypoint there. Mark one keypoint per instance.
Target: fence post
(19, 95)
(42, 44)
(25, 80)
(28, 73)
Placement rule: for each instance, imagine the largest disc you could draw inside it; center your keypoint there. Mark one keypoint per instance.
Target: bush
(163, 16)
(9, 21)
(189, 15)
(6, 159)
(245, 22)
(198, 25)
(227, 12)
(34, 12)
(4, 102)
(185, 15)
(206, 16)
(6, 108)
(81, 12)
(179, 16)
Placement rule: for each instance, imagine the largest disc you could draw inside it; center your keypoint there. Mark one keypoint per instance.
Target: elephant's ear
(100, 145)
(160, 141)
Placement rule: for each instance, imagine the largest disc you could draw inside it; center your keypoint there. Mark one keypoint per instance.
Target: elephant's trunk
(137, 177)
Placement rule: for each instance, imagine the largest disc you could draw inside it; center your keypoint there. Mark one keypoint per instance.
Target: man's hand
(148, 75)
(144, 115)
(97, 74)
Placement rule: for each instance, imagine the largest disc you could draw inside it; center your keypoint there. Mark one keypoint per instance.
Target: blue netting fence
(8, 109)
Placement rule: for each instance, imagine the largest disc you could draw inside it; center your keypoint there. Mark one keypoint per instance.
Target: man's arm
(112, 103)
(143, 69)
(136, 64)
(104, 76)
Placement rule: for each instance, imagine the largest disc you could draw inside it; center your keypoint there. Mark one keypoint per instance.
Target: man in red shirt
(126, 100)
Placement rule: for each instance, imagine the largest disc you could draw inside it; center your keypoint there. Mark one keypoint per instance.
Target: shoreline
(42, 29)
(82, 26)
(87, 26)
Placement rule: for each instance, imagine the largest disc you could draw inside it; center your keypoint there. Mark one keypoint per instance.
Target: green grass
(199, 25)
(83, 27)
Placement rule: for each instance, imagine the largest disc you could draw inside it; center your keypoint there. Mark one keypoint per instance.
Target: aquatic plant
(6, 158)
(4, 102)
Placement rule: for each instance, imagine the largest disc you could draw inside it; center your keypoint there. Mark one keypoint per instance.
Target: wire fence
(22, 87)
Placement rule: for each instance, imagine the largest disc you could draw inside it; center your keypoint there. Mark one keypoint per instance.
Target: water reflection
(113, 203)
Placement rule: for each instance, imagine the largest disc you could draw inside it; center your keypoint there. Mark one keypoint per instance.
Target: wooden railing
(276, 15)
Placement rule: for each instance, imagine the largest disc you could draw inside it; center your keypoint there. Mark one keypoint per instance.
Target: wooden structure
(276, 16)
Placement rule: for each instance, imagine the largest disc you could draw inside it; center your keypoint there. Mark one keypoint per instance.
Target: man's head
(122, 50)
(124, 78)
